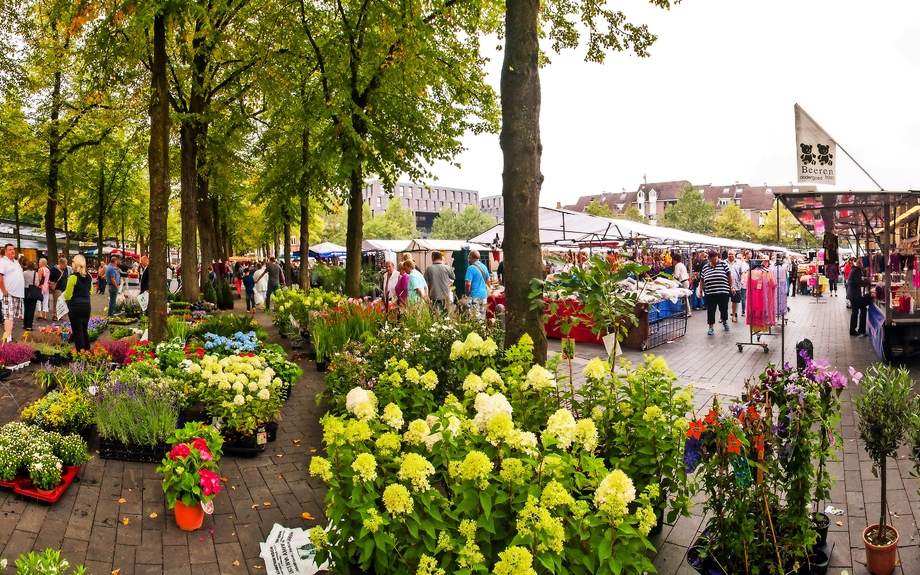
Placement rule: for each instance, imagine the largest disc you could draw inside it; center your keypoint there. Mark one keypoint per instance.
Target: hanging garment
(779, 275)
(761, 295)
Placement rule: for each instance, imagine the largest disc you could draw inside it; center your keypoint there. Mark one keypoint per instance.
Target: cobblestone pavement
(88, 522)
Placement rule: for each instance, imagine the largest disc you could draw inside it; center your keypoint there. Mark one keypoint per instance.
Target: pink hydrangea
(209, 481)
(202, 446)
(180, 450)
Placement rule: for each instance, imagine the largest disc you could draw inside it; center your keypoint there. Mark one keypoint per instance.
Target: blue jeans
(268, 294)
(743, 301)
(113, 295)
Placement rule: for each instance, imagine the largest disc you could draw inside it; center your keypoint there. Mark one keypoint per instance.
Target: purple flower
(838, 380)
(855, 375)
(692, 453)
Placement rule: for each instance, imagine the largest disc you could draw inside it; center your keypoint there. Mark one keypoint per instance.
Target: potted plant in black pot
(884, 411)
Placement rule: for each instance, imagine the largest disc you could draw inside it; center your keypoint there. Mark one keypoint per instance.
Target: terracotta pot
(45, 492)
(881, 560)
(188, 518)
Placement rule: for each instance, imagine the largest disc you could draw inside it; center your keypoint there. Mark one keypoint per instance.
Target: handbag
(33, 292)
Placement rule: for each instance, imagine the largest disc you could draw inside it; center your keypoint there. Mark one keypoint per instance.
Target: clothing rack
(751, 334)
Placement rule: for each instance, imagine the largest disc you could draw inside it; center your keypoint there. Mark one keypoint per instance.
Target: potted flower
(16, 355)
(71, 449)
(191, 476)
(44, 468)
(884, 410)
(65, 411)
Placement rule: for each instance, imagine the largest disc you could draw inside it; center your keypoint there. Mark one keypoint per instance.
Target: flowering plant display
(469, 488)
(190, 471)
(40, 453)
(15, 353)
(79, 375)
(96, 326)
(755, 461)
(72, 450)
(137, 407)
(48, 562)
(98, 357)
(240, 389)
(61, 330)
(64, 411)
(276, 358)
(300, 305)
(641, 415)
(239, 343)
(44, 468)
(117, 349)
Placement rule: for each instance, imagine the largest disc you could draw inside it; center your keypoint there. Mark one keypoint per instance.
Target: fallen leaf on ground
(279, 455)
(116, 572)
(153, 515)
(258, 566)
(201, 539)
(312, 451)
(267, 503)
(306, 515)
(125, 521)
(236, 563)
(122, 500)
(840, 523)
(233, 487)
(296, 442)
(224, 479)
(255, 505)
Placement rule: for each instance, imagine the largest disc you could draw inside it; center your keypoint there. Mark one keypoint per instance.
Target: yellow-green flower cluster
(398, 500)
(393, 416)
(524, 441)
(416, 469)
(357, 430)
(374, 521)
(365, 466)
(586, 434)
(429, 380)
(476, 466)
(615, 493)
(514, 561)
(487, 407)
(319, 538)
(473, 346)
(537, 522)
(492, 379)
(647, 519)
(469, 555)
(538, 379)
(555, 495)
(428, 566)
(653, 413)
(333, 430)
(388, 444)
(474, 384)
(512, 471)
(361, 403)
(412, 375)
(320, 467)
(597, 369)
(417, 432)
(498, 428)
(561, 427)
(245, 378)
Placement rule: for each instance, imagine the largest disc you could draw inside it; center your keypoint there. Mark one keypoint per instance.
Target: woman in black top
(79, 287)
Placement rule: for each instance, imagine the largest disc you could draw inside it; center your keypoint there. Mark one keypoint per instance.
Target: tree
(400, 85)
(335, 226)
(470, 223)
(691, 213)
(595, 208)
(791, 231)
(396, 223)
(734, 224)
(520, 135)
(633, 214)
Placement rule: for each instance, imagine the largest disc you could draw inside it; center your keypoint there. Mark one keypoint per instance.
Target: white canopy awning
(385, 245)
(328, 250)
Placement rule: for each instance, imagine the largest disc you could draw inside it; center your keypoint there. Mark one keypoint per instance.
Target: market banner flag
(815, 151)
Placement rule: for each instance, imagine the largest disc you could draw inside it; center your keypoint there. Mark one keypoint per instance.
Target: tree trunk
(188, 142)
(355, 233)
(54, 166)
(158, 166)
(305, 217)
(288, 269)
(100, 216)
(521, 177)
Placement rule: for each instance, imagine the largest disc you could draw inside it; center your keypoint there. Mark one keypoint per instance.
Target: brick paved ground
(87, 522)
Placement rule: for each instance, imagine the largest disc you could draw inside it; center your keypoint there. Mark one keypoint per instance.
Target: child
(249, 282)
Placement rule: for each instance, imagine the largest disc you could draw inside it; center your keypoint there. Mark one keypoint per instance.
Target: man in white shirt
(12, 288)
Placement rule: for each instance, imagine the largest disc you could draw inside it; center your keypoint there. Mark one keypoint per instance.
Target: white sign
(143, 299)
(289, 552)
(815, 151)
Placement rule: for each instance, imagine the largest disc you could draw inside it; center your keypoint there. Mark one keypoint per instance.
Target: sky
(713, 104)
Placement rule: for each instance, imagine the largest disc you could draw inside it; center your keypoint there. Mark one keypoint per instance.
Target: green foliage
(122, 332)
(396, 223)
(633, 214)
(734, 224)
(176, 329)
(792, 233)
(48, 562)
(225, 296)
(330, 278)
(470, 223)
(596, 208)
(136, 409)
(691, 213)
(66, 411)
(884, 408)
(209, 293)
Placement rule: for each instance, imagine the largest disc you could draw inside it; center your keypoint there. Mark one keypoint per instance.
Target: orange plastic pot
(881, 560)
(188, 518)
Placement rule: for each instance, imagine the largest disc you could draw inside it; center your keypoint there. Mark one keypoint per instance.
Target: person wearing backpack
(476, 281)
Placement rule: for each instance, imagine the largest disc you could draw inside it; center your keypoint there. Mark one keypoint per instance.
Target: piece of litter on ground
(840, 523)
(831, 510)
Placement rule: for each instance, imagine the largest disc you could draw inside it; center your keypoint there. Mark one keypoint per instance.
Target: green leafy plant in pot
(884, 410)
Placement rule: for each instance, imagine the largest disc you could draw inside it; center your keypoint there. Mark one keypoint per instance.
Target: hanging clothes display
(761, 299)
(779, 275)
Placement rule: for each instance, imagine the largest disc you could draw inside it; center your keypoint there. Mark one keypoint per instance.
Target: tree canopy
(396, 223)
(469, 223)
(734, 224)
(690, 213)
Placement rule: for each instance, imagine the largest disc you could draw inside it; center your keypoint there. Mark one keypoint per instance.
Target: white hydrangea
(539, 378)
(361, 403)
(474, 384)
(561, 426)
(488, 406)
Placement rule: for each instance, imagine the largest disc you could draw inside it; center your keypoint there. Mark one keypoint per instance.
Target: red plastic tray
(12, 484)
(67, 479)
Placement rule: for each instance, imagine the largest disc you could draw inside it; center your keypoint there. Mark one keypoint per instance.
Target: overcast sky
(713, 104)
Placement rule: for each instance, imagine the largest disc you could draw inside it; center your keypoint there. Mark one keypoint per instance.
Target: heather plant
(15, 353)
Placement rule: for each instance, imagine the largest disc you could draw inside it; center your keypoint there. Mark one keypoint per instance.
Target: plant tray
(15, 481)
(112, 449)
(66, 480)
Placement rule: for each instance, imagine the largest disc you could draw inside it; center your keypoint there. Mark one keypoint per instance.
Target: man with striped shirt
(717, 285)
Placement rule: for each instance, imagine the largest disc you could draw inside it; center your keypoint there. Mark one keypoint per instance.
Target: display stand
(751, 334)
(816, 292)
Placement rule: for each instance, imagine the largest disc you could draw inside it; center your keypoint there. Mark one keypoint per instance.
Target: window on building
(769, 191)
(426, 204)
(416, 204)
(725, 190)
(795, 190)
(402, 191)
(738, 191)
(723, 201)
(379, 202)
(409, 191)
(406, 204)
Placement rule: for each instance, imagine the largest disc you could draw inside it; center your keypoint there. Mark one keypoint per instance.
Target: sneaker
(711, 331)
(726, 326)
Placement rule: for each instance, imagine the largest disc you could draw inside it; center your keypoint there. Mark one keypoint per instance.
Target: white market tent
(391, 248)
(327, 250)
(567, 229)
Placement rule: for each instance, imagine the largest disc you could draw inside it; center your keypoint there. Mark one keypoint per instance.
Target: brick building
(651, 199)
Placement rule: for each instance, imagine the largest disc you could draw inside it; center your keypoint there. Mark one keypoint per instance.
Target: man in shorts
(12, 289)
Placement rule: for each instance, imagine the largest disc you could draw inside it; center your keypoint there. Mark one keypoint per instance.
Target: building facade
(493, 206)
(651, 199)
(425, 203)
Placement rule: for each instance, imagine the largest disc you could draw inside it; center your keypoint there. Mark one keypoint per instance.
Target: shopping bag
(143, 299)
(61, 310)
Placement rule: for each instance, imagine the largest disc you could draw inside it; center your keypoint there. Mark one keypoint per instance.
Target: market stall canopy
(442, 246)
(851, 213)
(328, 250)
(385, 245)
(109, 251)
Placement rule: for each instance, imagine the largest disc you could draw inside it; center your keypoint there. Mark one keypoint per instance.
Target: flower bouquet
(191, 476)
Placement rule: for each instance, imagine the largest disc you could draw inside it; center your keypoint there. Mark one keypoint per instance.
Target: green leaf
(486, 502)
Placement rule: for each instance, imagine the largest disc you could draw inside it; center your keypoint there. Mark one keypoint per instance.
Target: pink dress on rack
(761, 304)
